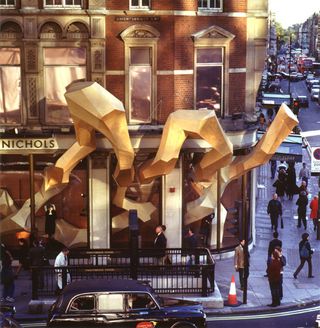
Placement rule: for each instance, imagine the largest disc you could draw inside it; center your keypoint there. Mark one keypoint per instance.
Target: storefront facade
(154, 67)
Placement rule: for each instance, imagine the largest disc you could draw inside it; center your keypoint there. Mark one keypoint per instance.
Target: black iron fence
(170, 271)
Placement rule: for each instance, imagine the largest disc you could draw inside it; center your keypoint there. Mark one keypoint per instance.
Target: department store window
(7, 3)
(140, 82)
(209, 78)
(63, 3)
(214, 5)
(139, 4)
(10, 86)
(61, 67)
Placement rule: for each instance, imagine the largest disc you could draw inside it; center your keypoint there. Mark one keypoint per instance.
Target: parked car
(303, 101)
(121, 303)
(314, 94)
(294, 77)
(312, 83)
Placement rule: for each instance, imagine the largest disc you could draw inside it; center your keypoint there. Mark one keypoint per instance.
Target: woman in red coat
(314, 211)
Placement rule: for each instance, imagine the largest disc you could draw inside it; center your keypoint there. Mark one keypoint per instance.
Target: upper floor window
(61, 67)
(209, 78)
(215, 5)
(140, 4)
(10, 86)
(7, 3)
(63, 3)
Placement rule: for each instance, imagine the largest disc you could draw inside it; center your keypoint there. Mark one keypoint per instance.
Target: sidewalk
(296, 291)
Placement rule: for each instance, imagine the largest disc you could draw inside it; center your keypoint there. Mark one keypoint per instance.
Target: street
(295, 318)
(309, 117)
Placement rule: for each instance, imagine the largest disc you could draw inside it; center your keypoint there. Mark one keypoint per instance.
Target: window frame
(213, 64)
(140, 6)
(45, 110)
(215, 8)
(6, 6)
(21, 88)
(63, 5)
(69, 310)
(131, 39)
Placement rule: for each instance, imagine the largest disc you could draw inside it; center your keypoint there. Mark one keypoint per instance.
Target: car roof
(104, 285)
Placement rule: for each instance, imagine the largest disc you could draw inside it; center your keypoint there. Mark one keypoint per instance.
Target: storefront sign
(315, 160)
(26, 146)
(137, 19)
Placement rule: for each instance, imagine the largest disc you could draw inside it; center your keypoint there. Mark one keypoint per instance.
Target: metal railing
(170, 271)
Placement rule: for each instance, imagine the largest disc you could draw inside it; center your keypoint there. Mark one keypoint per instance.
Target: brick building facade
(157, 57)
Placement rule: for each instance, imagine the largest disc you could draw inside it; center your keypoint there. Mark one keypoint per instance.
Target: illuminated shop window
(140, 4)
(7, 3)
(61, 67)
(209, 78)
(215, 5)
(10, 86)
(63, 3)
(140, 79)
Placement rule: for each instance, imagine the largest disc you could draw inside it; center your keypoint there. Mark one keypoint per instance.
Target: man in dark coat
(302, 203)
(274, 210)
(160, 244)
(275, 242)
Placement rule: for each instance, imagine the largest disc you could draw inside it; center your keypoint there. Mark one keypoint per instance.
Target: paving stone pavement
(296, 291)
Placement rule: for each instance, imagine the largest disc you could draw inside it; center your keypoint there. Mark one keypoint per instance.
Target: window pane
(212, 55)
(56, 80)
(145, 3)
(64, 56)
(83, 303)
(140, 55)
(10, 94)
(218, 3)
(111, 302)
(134, 3)
(140, 91)
(209, 88)
(139, 301)
(9, 56)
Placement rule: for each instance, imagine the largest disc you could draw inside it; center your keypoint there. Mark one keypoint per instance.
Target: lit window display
(142, 194)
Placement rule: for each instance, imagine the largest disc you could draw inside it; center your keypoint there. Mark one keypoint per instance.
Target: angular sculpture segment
(181, 124)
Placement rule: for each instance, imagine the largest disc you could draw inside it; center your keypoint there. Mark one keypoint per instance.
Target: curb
(259, 309)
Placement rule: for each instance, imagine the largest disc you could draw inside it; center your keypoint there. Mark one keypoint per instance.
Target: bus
(304, 64)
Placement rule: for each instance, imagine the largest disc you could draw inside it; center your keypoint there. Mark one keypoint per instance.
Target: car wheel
(184, 325)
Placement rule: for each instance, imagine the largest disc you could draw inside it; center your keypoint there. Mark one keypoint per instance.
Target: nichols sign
(28, 146)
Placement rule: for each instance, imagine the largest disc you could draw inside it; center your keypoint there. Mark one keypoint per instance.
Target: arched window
(10, 30)
(50, 30)
(77, 30)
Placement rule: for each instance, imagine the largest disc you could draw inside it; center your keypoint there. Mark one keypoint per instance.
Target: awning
(289, 150)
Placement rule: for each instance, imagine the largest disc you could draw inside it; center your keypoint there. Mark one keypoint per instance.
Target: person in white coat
(61, 261)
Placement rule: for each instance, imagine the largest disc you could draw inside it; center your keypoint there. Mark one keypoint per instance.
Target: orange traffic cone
(232, 297)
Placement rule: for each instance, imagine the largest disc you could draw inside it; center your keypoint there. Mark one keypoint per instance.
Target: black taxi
(121, 303)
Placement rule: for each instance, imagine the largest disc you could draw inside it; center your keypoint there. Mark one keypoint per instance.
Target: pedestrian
(274, 277)
(37, 260)
(62, 261)
(282, 166)
(160, 245)
(191, 244)
(205, 229)
(284, 263)
(303, 187)
(262, 122)
(50, 223)
(241, 262)
(305, 253)
(275, 242)
(7, 275)
(304, 174)
(314, 211)
(274, 210)
(23, 256)
(270, 113)
(273, 167)
(291, 186)
(302, 203)
(280, 184)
